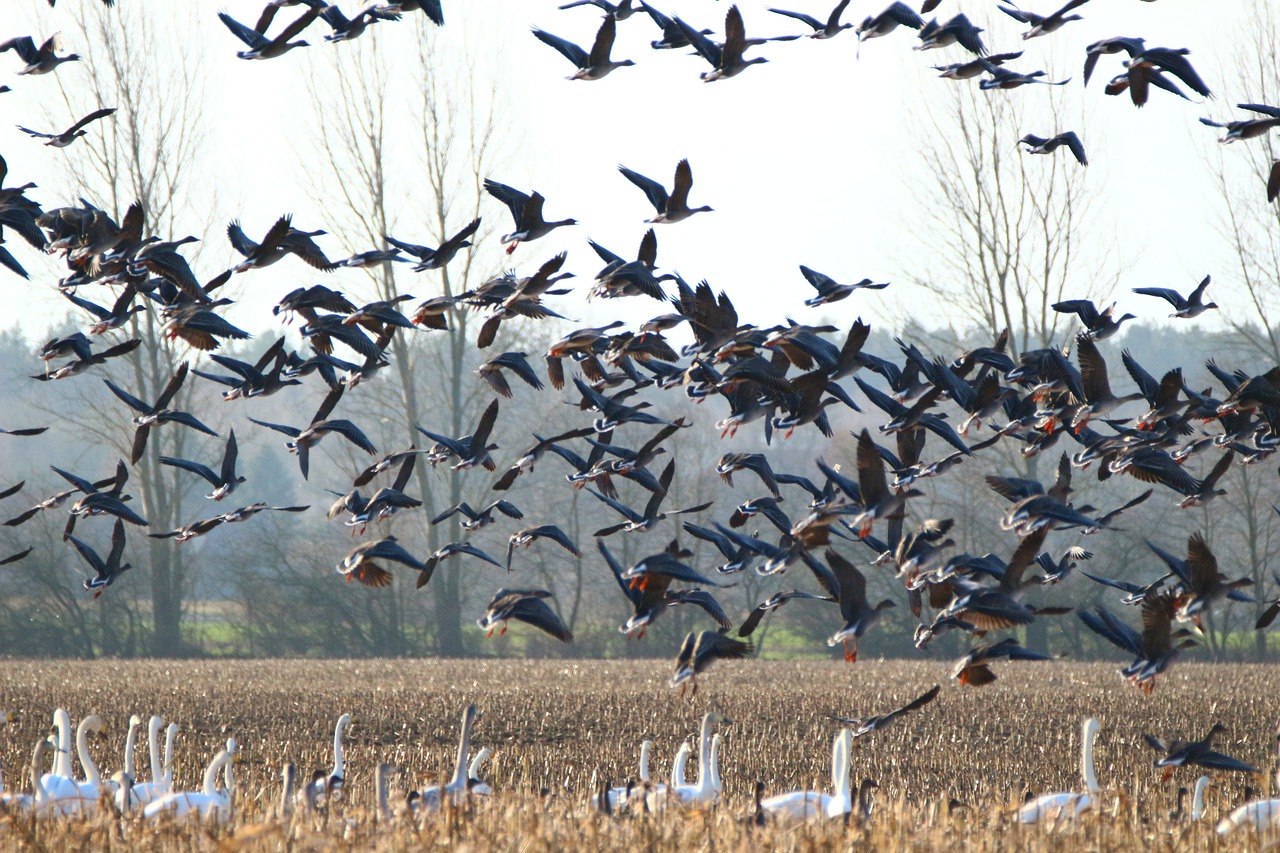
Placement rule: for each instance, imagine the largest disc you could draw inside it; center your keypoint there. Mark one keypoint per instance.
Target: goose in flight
(71, 134)
(594, 65)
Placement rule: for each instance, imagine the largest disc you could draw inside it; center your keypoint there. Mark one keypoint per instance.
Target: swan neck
(846, 743)
(91, 775)
(210, 786)
(153, 746)
(339, 762)
(169, 736)
(130, 742)
(644, 760)
(37, 757)
(459, 782)
(1086, 759)
(1197, 802)
(62, 759)
(678, 768)
(714, 766)
(704, 748)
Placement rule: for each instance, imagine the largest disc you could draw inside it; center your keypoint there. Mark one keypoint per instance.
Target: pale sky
(807, 159)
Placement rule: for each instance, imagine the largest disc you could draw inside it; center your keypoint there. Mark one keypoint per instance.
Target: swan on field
(1070, 804)
(12, 801)
(145, 793)
(339, 772)
(60, 780)
(478, 787)
(707, 789)
(1258, 815)
(209, 802)
(1197, 798)
(619, 796)
(431, 798)
(799, 805)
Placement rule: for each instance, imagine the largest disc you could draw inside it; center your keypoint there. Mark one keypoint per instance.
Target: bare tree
(454, 145)
(149, 153)
(1004, 230)
(1249, 222)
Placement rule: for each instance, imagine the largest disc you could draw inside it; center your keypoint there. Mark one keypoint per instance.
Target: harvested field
(550, 725)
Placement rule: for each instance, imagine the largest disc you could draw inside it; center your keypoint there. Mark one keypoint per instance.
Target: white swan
(209, 802)
(1258, 815)
(657, 798)
(93, 785)
(1197, 799)
(708, 787)
(619, 795)
(130, 743)
(473, 773)
(1070, 804)
(456, 790)
(144, 793)
(124, 793)
(39, 798)
(166, 773)
(60, 780)
(800, 805)
(339, 772)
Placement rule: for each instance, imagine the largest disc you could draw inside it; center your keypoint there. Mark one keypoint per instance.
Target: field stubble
(551, 724)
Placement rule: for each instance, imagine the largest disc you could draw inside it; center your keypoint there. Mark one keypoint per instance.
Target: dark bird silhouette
(1199, 753)
(105, 571)
(1185, 307)
(1042, 145)
(866, 725)
(40, 60)
(523, 605)
(594, 65)
(438, 258)
(156, 413)
(260, 47)
(363, 562)
(225, 480)
(71, 134)
(829, 28)
(1154, 649)
(301, 440)
(524, 538)
(526, 211)
(699, 651)
(974, 669)
(726, 59)
(1042, 25)
(673, 207)
(829, 291)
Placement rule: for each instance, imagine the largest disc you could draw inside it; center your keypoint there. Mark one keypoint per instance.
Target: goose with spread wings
(594, 65)
(303, 439)
(157, 413)
(649, 518)
(652, 598)
(105, 571)
(225, 480)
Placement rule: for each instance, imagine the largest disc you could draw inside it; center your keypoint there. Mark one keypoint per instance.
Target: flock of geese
(782, 378)
(57, 792)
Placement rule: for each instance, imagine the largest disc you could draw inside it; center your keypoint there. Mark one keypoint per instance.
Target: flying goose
(594, 65)
(71, 134)
(673, 207)
(526, 210)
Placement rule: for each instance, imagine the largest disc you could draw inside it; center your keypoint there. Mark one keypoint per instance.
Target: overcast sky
(810, 158)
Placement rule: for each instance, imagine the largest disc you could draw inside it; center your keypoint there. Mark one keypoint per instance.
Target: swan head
(1091, 728)
(344, 722)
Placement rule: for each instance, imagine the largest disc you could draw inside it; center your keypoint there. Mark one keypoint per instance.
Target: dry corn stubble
(550, 725)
